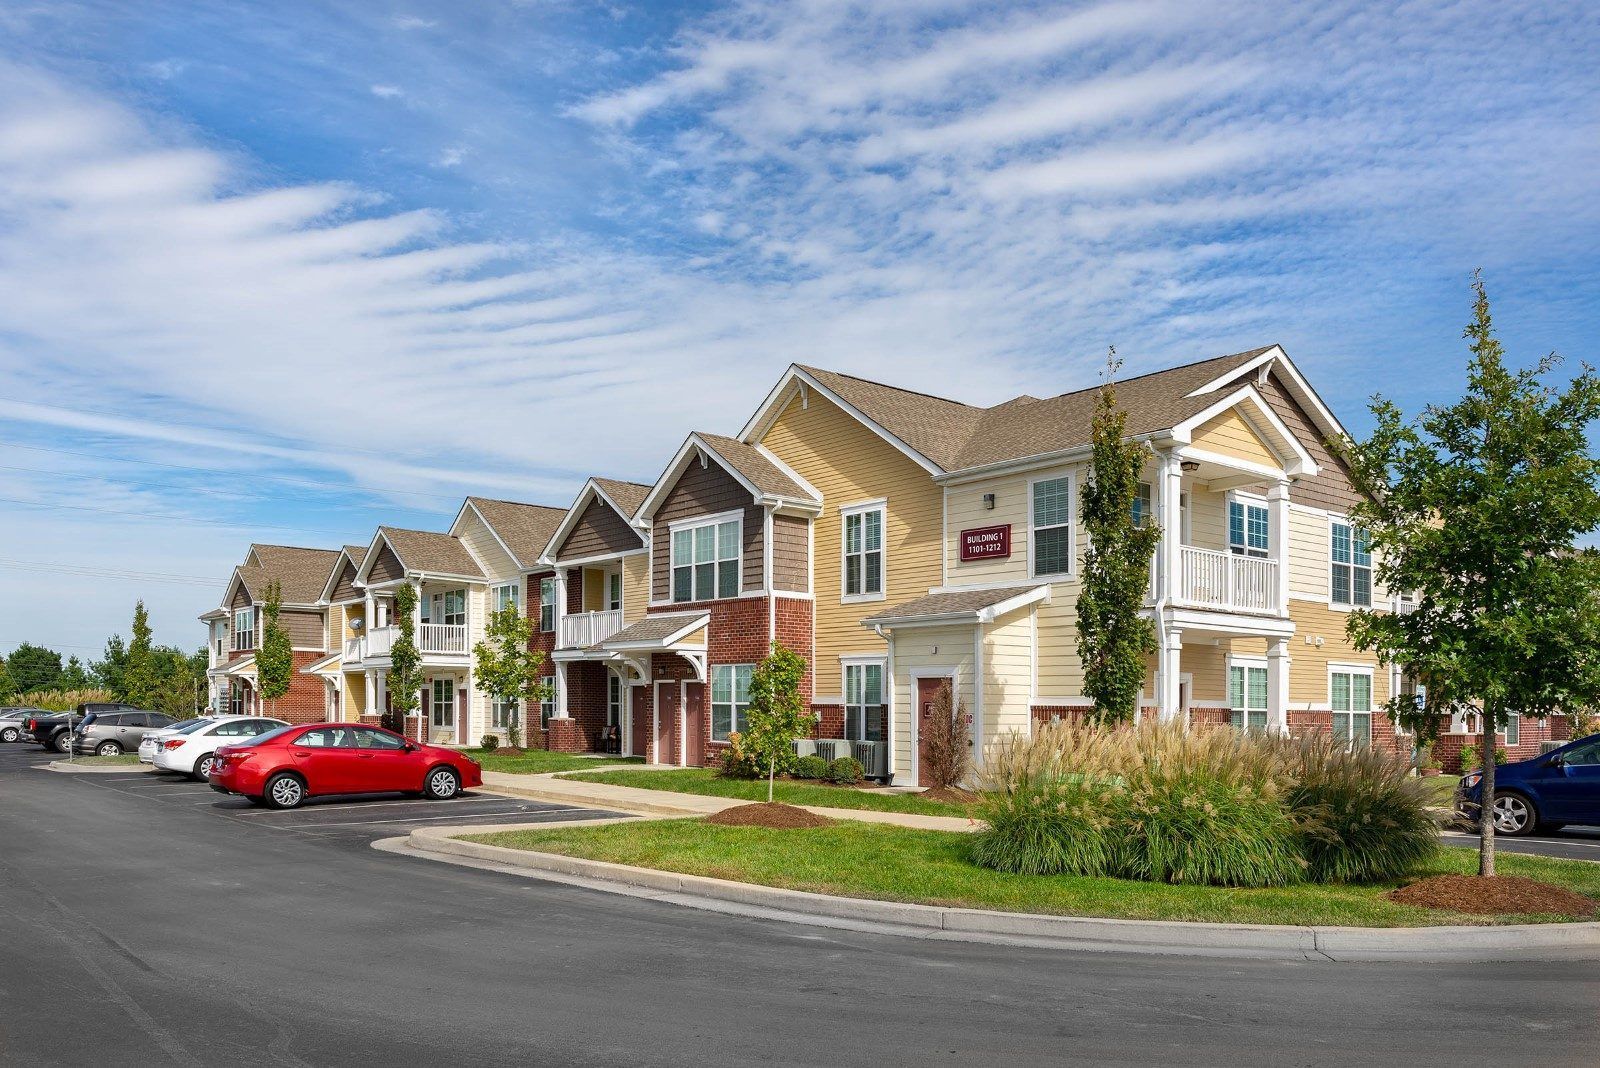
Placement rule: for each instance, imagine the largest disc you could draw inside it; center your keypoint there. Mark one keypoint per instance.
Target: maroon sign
(986, 543)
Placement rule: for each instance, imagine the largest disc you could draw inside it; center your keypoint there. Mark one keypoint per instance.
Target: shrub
(489, 743)
(811, 767)
(1472, 756)
(1040, 820)
(738, 762)
(846, 771)
(1363, 817)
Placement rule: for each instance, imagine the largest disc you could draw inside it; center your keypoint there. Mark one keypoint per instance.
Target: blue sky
(281, 272)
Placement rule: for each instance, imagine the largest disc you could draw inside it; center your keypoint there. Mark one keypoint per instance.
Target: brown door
(927, 693)
(696, 725)
(462, 715)
(666, 720)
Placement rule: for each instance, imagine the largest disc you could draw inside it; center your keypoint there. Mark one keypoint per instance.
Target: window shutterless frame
(730, 699)
(1350, 696)
(1249, 527)
(1349, 565)
(1247, 694)
(863, 575)
(504, 596)
(547, 605)
(865, 710)
(1050, 515)
(707, 558)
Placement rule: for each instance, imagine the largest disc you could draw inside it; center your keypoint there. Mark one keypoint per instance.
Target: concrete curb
(80, 769)
(1558, 941)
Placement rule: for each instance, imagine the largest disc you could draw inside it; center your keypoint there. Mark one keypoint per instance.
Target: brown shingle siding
(345, 589)
(791, 553)
(305, 628)
(386, 568)
(599, 531)
(1331, 487)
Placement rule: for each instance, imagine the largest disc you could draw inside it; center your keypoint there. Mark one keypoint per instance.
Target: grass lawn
(103, 761)
(1444, 788)
(538, 761)
(931, 868)
(706, 781)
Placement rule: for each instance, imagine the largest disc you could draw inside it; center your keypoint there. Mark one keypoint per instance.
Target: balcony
(433, 639)
(583, 629)
(1227, 581)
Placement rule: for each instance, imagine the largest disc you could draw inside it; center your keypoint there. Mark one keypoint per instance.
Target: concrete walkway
(665, 803)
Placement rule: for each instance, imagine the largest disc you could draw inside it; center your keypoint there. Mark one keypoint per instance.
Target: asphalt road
(142, 929)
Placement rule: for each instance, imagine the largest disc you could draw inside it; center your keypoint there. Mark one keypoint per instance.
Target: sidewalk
(665, 803)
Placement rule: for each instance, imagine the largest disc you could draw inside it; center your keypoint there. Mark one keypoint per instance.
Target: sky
(283, 272)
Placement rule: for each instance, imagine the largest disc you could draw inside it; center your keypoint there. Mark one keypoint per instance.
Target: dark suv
(114, 733)
(53, 730)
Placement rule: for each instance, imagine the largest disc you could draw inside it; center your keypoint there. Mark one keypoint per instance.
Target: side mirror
(409, 747)
(1556, 760)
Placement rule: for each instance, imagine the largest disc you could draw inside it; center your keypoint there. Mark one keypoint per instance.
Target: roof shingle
(626, 495)
(747, 460)
(949, 604)
(300, 573)
(426, 550)
(525, 528)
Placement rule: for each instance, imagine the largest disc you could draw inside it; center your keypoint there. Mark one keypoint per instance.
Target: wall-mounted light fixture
(1190, 466)
(988, 501)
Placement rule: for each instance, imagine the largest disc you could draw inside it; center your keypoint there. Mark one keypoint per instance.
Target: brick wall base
(565, 736)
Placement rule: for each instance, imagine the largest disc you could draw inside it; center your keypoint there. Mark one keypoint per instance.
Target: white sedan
(151, 742)
(191, 752)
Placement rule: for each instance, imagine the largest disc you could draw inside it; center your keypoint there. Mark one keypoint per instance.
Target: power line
(175, 518)
(90, 571)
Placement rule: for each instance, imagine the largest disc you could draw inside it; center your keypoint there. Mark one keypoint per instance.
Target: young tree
(73, 677)
(139, 676)
(33, 667)
(111, 670)
(274, 656)
(508, 668)
(1114, 640)
(405, 662)
(1474, 507)
(776, 715)
(8, 685)
(947, 752)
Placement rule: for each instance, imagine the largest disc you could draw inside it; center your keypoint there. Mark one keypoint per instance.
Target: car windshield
(269, 735)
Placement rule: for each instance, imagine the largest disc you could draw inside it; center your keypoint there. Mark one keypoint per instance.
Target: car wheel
(202, 767)
(284, 791)
(10, 734)
(1514, 815)
(442, 784)
(61, 742)
(108, 749)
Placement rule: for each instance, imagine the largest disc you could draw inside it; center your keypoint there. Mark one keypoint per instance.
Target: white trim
(1071, 477)
(495, 534)
(881, 506)
(697, 620)
(916, 674)
(1250, 467)
(777, 462)
(1302, 461)
(1372, 591)
(770, 409)
(1306, 395)
(600, 558)
(702, 520)
(696, 445)
(712, 521)
(569, 522)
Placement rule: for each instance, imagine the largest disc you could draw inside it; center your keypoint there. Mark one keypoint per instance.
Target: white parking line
(417, 819)
(1512, 844)
(368, 804)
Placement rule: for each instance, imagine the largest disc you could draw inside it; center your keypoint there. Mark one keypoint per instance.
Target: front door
(696, 724)
(928, 693)
(666, 718)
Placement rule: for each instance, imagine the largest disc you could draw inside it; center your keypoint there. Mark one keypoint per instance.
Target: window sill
(862, 598)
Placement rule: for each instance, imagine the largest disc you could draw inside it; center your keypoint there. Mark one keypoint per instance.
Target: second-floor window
(1052, 527)
(244, 628)
(448, 607)
(863, 552)
(614, 591)
(705, 561)
(505, 596)
(1351, 580)
(547, 605)
(1248, 526)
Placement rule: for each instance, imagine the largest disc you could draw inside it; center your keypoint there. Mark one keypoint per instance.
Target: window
(368, 738)
(244, 628)
(1352, 706)
(705, 561)
(863, 552)
(449, 607)
(1247, 696)
(328, 738)
(503, 597)
(1586, 754)
(864, 708)
(234, 698)
(444, 703)
(1052, 526)
(614, 700)
(614, 591)
(547, 704)
(547, 605)
(502, 713)
(1513, 730)
(1247, 528)
(730, 699)
(1352, 566)
(1143, 506)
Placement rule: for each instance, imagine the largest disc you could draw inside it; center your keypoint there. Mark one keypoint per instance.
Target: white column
(561, 692)
(1168, 674)
(1278, 538)
(1170, 487)
(1278, 684)
(561, 605)
(372, 692)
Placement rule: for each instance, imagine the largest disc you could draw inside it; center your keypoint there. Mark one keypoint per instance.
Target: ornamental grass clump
(1364, 817)
(1050, 804)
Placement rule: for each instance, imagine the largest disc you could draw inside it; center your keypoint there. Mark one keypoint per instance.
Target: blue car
(1545, 793)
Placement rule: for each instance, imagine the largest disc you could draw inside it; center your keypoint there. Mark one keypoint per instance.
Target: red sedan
(283, 767)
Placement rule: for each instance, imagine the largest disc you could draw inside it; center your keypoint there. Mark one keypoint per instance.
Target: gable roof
(355, 556)
(976, 606)
(623, 498)
(523, 529)
(627, 496)
(946, 436)
(301, 573)
(428, 551)
(757, 471)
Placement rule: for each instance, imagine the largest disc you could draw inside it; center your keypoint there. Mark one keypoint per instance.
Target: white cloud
(452, 157)
(387, 92)
(412, 22)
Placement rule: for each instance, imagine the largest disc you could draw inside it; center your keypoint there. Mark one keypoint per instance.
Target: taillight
(172, 743)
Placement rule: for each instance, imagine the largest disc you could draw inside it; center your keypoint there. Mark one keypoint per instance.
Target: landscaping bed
(709, 783)
(934, 868)
(103, 761)
(540, 761)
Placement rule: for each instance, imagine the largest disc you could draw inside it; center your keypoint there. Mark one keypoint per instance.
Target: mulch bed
(762, 814)
(950, 795)
(1494, 895)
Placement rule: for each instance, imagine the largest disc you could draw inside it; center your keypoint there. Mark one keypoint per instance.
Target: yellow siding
(1230, 435)
(1308, 554)
(480, 541)
(1007, 677)
(1060, 670)
(1208, 519)
(848, 463)
(355, 694)
(1308, 672)
(964, 507)
(929, 649)
(635, 587)
(594, 589)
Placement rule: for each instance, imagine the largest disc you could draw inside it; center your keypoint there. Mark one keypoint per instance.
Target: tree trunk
(772, 773)
(1486, 810)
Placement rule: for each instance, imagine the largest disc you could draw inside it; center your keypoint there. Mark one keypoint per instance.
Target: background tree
(33, 667)
(946, 742)
(508, 668)
(776, 715)
(274, 656)
(1114, 640)
(180, 681)
(8, 685)
(73, 676)
(1474, 507)
(111, 670)
(139, 675)
(405, 662)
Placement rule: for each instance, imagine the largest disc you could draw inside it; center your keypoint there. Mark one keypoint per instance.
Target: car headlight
(1471, 779)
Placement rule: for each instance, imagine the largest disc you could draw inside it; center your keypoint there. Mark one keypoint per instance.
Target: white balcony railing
(582, 629)
(1212, 579)
(354, 650)
(448, 639)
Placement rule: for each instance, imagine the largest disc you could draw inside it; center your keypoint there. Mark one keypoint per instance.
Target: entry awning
(960, 606)
(327, 666)
(239, 665)
(661, 631)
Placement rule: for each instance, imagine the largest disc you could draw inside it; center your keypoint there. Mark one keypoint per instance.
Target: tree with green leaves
(110, 672)
(180, 681)
(73, 676)
(1114, 640)
(8, 685)
(405, 661)
(139, 675)
(33, 667)
(1474, 508)
(776, 715)
(508, 667)
(274, 656)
